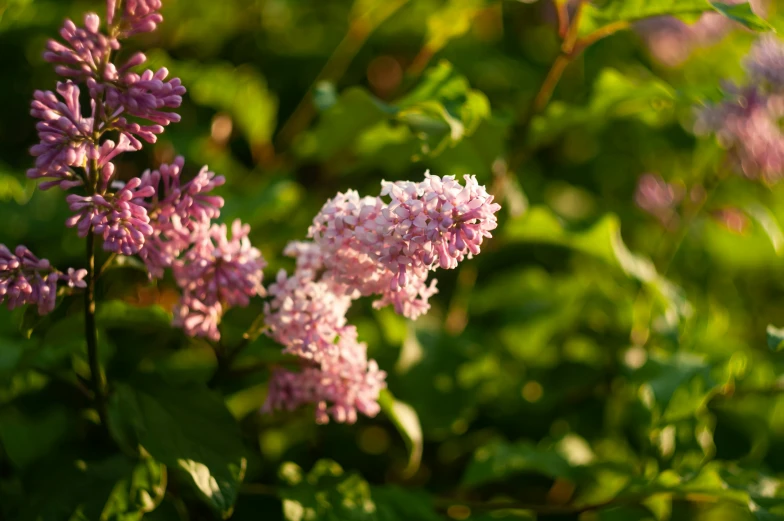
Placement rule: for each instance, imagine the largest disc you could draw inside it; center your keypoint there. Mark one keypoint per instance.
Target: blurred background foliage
(592, 363)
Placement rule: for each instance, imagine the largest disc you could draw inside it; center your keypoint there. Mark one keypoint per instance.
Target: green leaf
(451, 21)
(406, 420)
(615, 95)
(775, 338)
(329, 493)
(28, 436)
(769, 224)
(743, 14)
(501, 460)
(439, 113)
(602, 13)
(190, 430)
(599, 14)
(622, 513)
(113, 489)
(116, 313)
(444, 108)
(603, 241)
(240, 91)
(138, 493)
(680, 386)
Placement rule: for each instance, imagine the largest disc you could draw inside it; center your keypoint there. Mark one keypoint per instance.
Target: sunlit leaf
(600, 14)
(327, 492)
(406, 420)
(743, 14)
(775, 338)
(440, 112)
(501, 460)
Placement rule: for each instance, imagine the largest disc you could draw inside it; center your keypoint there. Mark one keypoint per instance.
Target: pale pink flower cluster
(216, 273)
(26, 279)
(363, 246)
(387, 249)
(748, 122)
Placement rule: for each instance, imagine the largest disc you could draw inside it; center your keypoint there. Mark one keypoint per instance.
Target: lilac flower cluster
(748, 122)
(26, 279)
(382, 246)
(161, 216)
(215, 272)
(671, 41)
(363, 247)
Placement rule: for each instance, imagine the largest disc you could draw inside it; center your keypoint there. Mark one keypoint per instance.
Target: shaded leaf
(603, 240)
(327, 492)
(28, 436)
(190, 430)
(116, 313)
(113, 489)
(614, 95)
(501, 460)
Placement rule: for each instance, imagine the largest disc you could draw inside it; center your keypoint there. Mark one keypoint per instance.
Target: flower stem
(90, 332)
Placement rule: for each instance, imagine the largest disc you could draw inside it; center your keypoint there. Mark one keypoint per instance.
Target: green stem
(90, 332)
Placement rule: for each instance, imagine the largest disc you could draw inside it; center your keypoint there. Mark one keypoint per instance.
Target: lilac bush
(383, 246)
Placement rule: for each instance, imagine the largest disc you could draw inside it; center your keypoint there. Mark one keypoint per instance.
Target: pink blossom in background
(747, 124)
(671, 41)
(765, 63)
(658, 197)
(733, 219)
(26, 279)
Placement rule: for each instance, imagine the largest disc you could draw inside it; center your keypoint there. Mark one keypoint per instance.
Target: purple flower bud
(137, 16)
(26, 279)
(120, 218)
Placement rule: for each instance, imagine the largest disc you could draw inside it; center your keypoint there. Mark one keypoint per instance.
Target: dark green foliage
(594, 363)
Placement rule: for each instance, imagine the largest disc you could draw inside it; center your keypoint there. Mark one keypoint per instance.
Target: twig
(359, 30)
(106, 264)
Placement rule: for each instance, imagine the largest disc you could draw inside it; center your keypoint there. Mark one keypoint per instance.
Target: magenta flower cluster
(366, 247)
(26, 279)
(748, 122)
(161, 216)
(382, 246)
